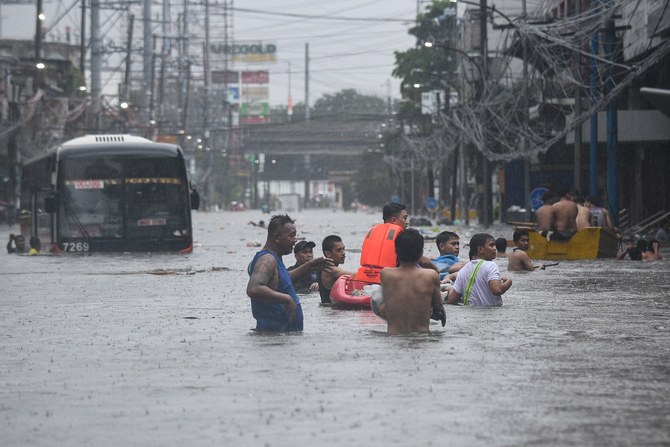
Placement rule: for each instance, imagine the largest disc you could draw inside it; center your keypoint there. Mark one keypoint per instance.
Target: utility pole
(524, 94)
(389, 104)
(289, 104)
(612, 124)
(227, 106)
(38, 80)
(208, 84)
(38, 32)
(96, 62)
(307, 82)
(82, 41)
(152, 86)
(126, 77)
(147, 53)
(165, 52)
(593, 146)
(485, 219)
(307, 158)
(185, 67)
(578, 111)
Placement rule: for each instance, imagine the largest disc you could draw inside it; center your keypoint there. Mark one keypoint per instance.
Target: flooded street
(155, 350)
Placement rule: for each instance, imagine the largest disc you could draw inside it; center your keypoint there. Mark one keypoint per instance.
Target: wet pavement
(155, 350)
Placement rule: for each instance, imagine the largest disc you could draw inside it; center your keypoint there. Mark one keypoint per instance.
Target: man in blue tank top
(274, 303)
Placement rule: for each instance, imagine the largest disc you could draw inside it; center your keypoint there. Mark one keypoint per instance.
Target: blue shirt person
(274, 303)
(449, 245)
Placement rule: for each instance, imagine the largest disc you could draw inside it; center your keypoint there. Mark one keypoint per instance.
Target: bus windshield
(124, 198)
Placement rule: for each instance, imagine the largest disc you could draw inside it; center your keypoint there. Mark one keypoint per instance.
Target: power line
(323, 17)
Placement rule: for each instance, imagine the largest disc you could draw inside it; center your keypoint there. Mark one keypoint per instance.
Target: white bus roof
(105, 139)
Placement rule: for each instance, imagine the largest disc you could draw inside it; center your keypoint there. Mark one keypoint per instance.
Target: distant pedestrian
(632, 250)
(501, 247)
(16, 244)
(650, 249)
(35, 246)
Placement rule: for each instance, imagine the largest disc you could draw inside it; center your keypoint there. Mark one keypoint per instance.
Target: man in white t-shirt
(479, 282)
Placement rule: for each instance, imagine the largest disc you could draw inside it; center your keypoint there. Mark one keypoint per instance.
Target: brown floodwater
(155, 350)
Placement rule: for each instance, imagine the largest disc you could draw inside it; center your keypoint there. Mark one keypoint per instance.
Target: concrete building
(629, 169)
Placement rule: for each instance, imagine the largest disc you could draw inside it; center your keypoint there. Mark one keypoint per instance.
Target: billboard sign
(255, 97)
(256, 77)
(225, 77)
(247, 52)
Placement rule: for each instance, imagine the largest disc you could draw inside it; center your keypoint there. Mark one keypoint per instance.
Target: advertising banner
(255, 101)
(225, 77)
(233, 96)
(247, 52)
(256, 77)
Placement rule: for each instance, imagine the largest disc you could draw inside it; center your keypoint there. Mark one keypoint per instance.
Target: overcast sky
(344, 52)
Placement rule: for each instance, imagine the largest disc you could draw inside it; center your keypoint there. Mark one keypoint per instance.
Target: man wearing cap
(303, 252)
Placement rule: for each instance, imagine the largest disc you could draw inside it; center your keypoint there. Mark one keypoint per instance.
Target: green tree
(347, 104)
(432, 68)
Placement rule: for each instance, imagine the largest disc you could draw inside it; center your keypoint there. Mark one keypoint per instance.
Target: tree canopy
(348, 103)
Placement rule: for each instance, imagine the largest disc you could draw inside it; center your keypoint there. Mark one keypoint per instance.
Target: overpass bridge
(305, 151)
(319, 136)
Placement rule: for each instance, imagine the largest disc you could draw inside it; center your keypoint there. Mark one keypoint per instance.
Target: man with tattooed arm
(274, 302)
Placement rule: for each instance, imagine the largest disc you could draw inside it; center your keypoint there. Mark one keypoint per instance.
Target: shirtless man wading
(274, 302)
(411, 294)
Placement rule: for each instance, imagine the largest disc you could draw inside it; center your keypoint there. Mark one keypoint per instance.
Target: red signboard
(255, 77)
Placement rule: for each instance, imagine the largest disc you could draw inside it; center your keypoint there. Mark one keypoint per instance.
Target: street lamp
(473, 61)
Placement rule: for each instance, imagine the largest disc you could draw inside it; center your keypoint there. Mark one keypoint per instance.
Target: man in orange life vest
(379, 244)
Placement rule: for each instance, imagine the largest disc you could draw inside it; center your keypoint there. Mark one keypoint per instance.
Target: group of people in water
(414, 287)
(17, 245)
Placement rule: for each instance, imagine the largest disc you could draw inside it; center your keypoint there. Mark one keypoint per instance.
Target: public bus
(109, 193)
